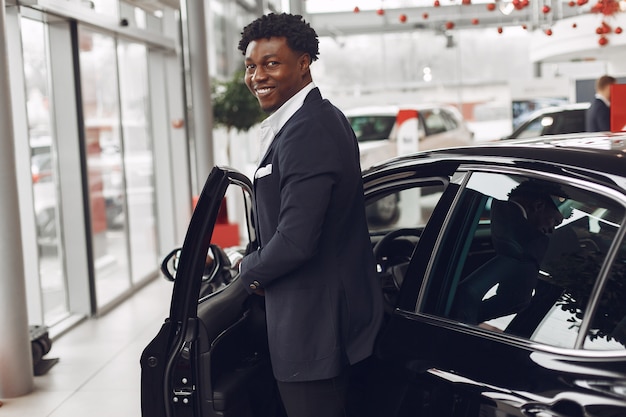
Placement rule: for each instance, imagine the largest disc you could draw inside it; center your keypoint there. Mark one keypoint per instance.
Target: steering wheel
(392, 276)
(217, 273)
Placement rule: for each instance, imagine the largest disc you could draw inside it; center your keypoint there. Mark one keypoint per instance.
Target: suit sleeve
(308, 174)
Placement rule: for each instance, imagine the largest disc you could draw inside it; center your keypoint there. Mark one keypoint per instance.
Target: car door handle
(541, 410)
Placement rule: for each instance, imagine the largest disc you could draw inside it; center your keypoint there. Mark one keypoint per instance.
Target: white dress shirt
(272, 125)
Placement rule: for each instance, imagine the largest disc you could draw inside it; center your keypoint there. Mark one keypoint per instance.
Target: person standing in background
(315, 265)
(598, 116)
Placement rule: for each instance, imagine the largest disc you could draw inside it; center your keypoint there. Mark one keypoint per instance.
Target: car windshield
(369, 128)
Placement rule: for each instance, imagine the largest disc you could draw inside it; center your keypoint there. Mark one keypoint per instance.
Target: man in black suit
(315, 265)
(598, 116)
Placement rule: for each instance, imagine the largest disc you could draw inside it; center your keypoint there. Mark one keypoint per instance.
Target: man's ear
(305, 62)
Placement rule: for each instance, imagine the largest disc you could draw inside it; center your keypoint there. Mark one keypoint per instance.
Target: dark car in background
(563, 354)
(555, 120)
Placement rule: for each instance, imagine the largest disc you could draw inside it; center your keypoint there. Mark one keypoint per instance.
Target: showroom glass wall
(96, 102)
(119, 161)
(54, 296)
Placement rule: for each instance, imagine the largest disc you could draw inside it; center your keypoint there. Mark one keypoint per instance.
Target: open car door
(210, 357)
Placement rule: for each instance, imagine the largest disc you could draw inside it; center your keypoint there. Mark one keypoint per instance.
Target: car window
(496, 270)
(367, 128)
(571, 121)
(433, 121)
(232, 235)
(607, 330)
(403, 208)
(532, 129)
(450, 120)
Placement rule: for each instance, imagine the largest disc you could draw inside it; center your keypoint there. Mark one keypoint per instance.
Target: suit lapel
(314, 95)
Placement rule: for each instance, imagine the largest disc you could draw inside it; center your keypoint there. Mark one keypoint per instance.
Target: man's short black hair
(300, 35)
(539, 190)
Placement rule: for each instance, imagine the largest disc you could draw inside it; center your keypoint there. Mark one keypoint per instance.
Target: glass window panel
(138, 159)
(572, 264)
(502, 268)
(99, 84)
(368, 128)
(608, 327)
(408, 208)
(44, 171)
(533, 129)
(434, 121)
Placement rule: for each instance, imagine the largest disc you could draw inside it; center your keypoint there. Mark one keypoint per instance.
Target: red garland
(606, 7)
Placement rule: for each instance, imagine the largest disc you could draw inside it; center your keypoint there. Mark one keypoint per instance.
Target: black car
(562, 354)
(556, 120)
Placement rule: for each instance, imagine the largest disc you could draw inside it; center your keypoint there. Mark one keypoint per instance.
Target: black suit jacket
(598, 117)
(315, 262)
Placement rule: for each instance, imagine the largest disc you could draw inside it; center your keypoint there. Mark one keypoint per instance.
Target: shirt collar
(275, 121)
(601, 97)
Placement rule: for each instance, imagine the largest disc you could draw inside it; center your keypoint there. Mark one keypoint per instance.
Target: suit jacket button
(254, 285)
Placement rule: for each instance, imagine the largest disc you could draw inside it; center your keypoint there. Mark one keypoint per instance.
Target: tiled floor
(98, 372)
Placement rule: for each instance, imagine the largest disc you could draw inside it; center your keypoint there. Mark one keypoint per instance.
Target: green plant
(234, 106)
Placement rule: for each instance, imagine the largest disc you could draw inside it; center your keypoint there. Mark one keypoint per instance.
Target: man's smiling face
(275, 72)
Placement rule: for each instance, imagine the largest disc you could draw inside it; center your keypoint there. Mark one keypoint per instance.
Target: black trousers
(325, 398)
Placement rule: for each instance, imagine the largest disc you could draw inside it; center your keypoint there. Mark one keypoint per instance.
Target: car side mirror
(169, 265)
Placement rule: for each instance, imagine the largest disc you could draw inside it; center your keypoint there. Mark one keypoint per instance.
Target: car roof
(597, 154)
(391, 110)
(558, 109)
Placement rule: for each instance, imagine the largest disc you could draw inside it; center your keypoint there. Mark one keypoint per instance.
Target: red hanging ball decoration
(524, 26)
(475, 21)
(436, 3)
(425, 15)
(574, 25)
(618, 30)
(606, 28)
(466, 2)
(402, 18)
(356, 9)
(572, 3)
(546, 9)
(549, 32)
(491, 7)
(500, 30)
(599, 30)
(582, 2)
(380, 12)
(449, 25)
(603, 41)
(606, 7)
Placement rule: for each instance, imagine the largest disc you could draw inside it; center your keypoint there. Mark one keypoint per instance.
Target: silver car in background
(376, 128)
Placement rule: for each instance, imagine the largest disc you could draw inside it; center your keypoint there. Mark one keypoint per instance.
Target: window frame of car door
(410, 175)
(427, 278)
(179, 332)
(446, 359)
(209, 204)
